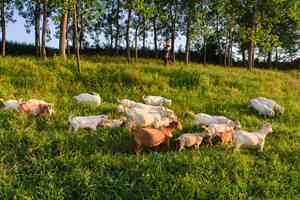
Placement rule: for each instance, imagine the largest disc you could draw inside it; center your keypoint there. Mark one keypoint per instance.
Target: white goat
(244, 138)
(11, 104)
(114, 123)
(205, 119)
(157, 100)
(189, 140)
(88, 98)
(146, 117)
(266, 106)
(90, 122)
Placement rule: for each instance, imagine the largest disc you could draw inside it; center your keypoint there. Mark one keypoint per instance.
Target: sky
(16, 32)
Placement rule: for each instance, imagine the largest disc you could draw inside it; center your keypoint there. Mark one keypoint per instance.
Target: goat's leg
(210, 141)
(70, 129)
(168, 143)
(137, 148)
(237, 146)
(261, 146)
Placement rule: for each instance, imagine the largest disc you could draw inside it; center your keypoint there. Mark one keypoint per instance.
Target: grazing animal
(205, 119)
(189, 140)
(36, 107)
(266, 106)
(127, 102)
(145, 117)
(11, 104)
(244, 138)
(114, 123)
(226, 137)
(157, 100)
(151, 137)
(88, 98)
(217, 130)
(90, 122)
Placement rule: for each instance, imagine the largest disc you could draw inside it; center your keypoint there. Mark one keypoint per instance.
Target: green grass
(39, 159)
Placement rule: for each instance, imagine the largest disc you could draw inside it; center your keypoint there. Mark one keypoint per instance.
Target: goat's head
(267, 127)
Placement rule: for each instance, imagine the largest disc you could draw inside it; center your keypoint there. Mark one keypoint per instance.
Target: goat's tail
(177, 144)
(1, 102)
(70, 117)
(191, 113)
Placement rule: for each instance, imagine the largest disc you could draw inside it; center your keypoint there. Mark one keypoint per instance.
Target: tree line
(265, 31)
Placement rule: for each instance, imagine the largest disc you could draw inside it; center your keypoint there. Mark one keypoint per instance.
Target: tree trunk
(250, 55)
(276, 57)
(173, 41)
(63, 31)
(144, 34)
(111, 36)
(136, 43)
(118, 28)
(204, 56)
(230, 49)
(226, 51)
(80, 31)
(251, 50)
(244, 56)
(44, 31)
(37, 19)
(75, 21)
(68, 35)
(155, 36)
(110, 19)
(127, 34)
(3, 28)
(187, 44)
(173, 37)
(270, 58)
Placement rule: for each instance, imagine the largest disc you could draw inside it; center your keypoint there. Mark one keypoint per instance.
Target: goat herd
(151, 123)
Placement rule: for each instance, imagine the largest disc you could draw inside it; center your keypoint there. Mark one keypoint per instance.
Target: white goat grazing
(114, 123)
(90, 122)
(125, 104)
(189, 140)
(150, 117)
(266, 106)
(11, 104)
(205, 119)
(88, 98)
(244, 138)
(157, 100)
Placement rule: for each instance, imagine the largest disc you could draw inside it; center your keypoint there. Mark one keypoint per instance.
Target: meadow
(39, 159)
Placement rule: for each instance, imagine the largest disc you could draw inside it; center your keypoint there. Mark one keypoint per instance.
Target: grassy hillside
(39, 159)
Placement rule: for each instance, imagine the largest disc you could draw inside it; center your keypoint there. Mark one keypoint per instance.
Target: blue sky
(16, 32)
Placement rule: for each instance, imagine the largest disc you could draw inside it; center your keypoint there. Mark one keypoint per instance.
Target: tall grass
(39, 159)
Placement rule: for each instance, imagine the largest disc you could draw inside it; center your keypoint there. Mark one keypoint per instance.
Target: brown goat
(151, 137)
(226, 137)
(36, 108)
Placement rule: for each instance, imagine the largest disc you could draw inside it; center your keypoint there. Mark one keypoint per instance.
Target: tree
(44, 28)
(63, 30)
(30, 10)
(7, 11)
(75, 21)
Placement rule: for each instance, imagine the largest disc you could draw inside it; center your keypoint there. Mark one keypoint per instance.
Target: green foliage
(39, 159)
